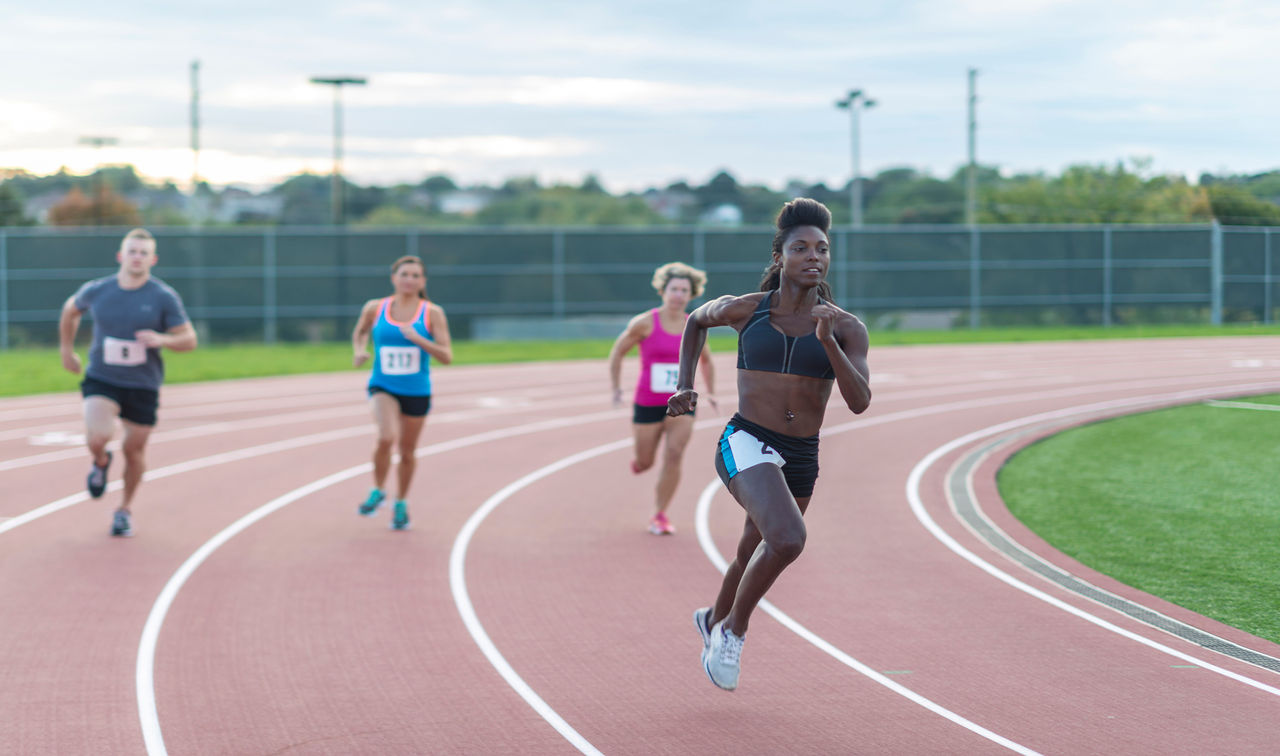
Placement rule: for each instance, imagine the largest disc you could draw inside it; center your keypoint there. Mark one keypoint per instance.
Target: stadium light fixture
(337, 82)
(855, 102)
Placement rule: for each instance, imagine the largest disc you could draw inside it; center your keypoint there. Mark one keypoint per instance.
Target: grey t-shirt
(115, 356)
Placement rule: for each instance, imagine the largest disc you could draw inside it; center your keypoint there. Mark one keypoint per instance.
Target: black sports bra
(763, 347)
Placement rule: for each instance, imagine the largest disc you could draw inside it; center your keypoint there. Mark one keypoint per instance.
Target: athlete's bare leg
(386, 417)
(678, 431)
(759, 560)
(100, 415)
(410, 429)
(647, 436)
(135, 460)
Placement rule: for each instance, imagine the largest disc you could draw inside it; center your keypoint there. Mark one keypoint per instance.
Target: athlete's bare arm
(724, 311)
(844, 338)
(180, 338)
(68, 324)
(637, 330)
(442, 346)
(360, 334)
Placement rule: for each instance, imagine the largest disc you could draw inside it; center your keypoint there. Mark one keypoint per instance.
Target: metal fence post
(1215, 266)
(557, 273)
(975, 277)
(411, 242)
(1267, 283)
(1106, 276)
(269, 310)
(843, 240)
(4, 291)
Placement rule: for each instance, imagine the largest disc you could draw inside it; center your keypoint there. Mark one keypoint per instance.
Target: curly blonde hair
(663, 275)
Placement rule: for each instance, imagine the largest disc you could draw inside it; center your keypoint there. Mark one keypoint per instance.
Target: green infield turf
(1182, 503)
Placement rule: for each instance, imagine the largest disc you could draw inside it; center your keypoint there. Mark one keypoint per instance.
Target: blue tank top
(763, 347)
(399, 365)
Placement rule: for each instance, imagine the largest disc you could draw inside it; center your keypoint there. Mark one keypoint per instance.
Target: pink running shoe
(660, 525)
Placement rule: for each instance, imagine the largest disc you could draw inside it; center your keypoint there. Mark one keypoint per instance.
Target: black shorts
(137, 405)
(412, 406)
(642, 415)
(744, 444)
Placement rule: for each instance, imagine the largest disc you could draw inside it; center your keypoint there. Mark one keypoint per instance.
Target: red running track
(528, 611)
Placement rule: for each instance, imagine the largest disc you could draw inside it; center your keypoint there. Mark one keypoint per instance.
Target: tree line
(1125, 192)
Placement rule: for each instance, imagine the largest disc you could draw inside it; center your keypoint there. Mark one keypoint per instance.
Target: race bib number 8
(400, 360)
(123, 352)
(662, 377)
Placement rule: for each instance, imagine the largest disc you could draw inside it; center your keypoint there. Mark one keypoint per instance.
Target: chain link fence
(307, 284)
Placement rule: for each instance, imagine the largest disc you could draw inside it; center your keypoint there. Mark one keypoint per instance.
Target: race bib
(123, 352)
(749, 451)
(400, 360)
(662, 377)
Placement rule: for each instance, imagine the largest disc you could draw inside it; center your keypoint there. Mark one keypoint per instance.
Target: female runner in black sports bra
(793, 344)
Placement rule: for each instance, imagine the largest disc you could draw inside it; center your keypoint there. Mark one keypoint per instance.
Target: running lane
(316, 631)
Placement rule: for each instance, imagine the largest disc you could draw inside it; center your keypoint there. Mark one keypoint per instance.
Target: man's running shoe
(120, 525)
(660, 525)
(371, 504)
(400, 516)
(98, 478)
(723, 659)
(701, 619)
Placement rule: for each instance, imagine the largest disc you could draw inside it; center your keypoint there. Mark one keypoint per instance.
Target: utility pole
(337, 82)
(971, 180)
(854, 102)
(195, 126)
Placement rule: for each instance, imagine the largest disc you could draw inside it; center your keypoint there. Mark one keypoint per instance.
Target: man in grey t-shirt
(134, 317)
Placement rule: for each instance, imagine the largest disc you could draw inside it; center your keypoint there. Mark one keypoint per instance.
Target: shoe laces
(731, 652)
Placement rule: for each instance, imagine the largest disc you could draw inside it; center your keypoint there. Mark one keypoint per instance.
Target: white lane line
(708, 545)
(271, 421)
(703, 527)
(462, 598)
(145, 668)
(1244, 405)
(918, 508)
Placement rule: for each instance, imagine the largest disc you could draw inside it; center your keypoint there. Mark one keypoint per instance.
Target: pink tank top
(659, 365)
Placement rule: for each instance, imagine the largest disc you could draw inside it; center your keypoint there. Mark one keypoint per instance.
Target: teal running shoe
(400, 516)
(371, 504)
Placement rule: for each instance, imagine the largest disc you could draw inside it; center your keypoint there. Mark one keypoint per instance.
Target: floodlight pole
(971, 179)
(337, 82)
(854, 102)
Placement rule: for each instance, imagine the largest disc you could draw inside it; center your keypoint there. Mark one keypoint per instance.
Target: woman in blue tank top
(407, 330)
(794, 344)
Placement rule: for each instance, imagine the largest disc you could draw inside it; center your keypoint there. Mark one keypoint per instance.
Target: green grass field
(1182, 503)
(33, 371)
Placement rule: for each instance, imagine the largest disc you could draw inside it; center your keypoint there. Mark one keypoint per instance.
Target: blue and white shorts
(744, 444)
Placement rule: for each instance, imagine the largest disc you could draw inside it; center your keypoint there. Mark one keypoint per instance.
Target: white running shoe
(700, 618)
(723, 658)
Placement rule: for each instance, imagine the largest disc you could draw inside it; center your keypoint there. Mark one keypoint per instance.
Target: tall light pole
(971, 180)
(854, 102)
(337, 82)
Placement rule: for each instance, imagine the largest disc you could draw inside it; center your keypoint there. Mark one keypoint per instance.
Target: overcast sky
(640, 94)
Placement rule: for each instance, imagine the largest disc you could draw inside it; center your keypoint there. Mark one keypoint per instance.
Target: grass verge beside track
(1181, 503)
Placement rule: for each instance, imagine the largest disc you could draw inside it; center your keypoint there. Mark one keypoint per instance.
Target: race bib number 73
(123, 352)
(397, 360)
(663, 377)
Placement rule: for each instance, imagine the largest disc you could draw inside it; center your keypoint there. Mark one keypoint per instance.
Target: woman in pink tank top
(657, 333)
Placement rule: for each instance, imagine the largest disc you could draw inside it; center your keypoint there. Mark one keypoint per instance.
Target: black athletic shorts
(642, 415)
(412, 406)
(137, 405)
(744, 444)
